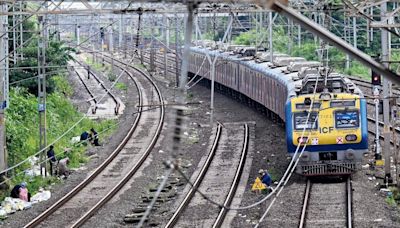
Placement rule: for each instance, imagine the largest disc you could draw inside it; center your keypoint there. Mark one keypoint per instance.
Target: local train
(327, 106)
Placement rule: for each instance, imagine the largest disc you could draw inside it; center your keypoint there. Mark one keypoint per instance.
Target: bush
(111, 76)
(22, 137)
(121, 86)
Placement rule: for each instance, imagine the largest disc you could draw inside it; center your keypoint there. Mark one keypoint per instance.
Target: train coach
(324, 113)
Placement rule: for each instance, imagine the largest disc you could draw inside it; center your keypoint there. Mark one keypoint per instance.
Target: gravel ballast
(370, 208)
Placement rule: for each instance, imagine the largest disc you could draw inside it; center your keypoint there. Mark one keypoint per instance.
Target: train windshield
(300, 121)
(335, 104)
(347, 119)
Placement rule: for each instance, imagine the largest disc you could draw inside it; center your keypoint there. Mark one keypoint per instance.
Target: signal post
(376, 82)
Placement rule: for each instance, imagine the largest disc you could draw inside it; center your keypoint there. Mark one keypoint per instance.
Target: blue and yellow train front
(335, 135)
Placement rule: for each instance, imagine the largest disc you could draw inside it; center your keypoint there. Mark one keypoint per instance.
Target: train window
(300, 120)
(304, 106)
(347, 119)
(343, 104)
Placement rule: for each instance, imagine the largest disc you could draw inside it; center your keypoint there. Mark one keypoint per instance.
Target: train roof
(262, 68)
(291, 72)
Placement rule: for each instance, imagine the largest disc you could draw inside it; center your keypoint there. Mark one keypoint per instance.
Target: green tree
(57, 54)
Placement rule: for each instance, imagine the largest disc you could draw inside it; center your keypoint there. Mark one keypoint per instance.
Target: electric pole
(42, 42)
(152, 54)
(176, 52)
(111, 44)
(386, 84)
(166, 44)
(271, 48)
(120, 30)
(3, 84)
(78, 34)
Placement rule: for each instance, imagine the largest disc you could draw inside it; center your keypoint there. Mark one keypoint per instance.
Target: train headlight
(302, 140)
(351, 138)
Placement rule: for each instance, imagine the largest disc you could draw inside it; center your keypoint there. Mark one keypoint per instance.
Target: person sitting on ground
(84, 136)
(265, 177)
(20, 191)
(63, 167)
(93, 137)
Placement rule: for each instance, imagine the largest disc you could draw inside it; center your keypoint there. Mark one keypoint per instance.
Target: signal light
(376, 78)
(101, 32)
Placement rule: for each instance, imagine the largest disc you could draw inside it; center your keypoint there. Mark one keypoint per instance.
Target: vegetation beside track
(22, 119)
(23, 133)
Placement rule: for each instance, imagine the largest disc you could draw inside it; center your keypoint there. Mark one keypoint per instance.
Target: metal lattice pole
(3, 84)
(42, 91)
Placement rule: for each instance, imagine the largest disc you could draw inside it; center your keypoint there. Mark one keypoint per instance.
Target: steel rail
(307, 194)
(40, 218)
(117, 104)
(93, 98)
(365, 83)
(235, 183)
(305, 204)
(383, 124)
(199, 179)
(380, 135)
(349, 203)
(142, 159)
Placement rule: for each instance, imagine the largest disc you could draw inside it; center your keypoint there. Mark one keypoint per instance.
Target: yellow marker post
(258, 185)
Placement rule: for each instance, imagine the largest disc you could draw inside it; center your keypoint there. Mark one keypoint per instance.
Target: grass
(390, 200)
(121, 86)
(23, 135)
(140, 66)
(96, 65)
(111, 76)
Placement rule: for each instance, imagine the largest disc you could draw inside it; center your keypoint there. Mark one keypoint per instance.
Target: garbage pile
(11, 205)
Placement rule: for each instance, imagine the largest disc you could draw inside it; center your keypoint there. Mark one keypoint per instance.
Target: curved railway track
(99, 82)
(327, 205)
(93, 101)
(213, 162)
(91, 194)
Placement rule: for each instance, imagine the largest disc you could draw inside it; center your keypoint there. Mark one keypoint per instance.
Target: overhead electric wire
(349, 4)
(14, 26)
(34, 77)
(298, 159)
(81, 142)
(65, 133)
(284, 178)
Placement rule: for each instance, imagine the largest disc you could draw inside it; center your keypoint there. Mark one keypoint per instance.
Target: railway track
(371, 110)
(91, 194)
(366, 84)
(218, 178)
(327, 205)
(93, 88)
(91, 73)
